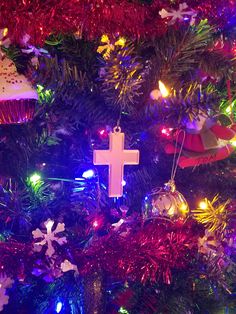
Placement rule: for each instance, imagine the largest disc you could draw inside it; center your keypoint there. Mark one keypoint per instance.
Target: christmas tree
(117, 156)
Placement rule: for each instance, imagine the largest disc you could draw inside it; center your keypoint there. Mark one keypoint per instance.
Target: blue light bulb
(88, 174)
(59, 307)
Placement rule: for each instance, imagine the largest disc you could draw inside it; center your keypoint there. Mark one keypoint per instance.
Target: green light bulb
(122, 310)
(35, 178)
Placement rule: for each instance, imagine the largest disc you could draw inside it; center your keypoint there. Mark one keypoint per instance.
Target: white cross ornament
(116, 157)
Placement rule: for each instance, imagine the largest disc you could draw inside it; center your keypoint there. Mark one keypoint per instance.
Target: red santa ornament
(203, 141)
(17, 96)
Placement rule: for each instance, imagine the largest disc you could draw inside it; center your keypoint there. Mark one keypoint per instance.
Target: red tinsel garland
(16, 258)
(137, 251)
(40, 18)
(150, 253)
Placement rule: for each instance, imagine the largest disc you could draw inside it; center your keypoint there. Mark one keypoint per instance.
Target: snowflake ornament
(123, 226)
(50, 236)
(32, 49)
(180, 14)
(67, 266)
(3, 299)
(5, 282)
(107, 47)
(47, 270)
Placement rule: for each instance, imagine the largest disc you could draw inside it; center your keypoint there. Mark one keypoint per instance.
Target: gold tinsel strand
(123, 76)
(212, 214)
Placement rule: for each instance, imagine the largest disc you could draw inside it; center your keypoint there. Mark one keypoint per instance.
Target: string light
(88, 174)
(203, 205)
(166, 131)
(123, 310)
(95, 224)
(228, 110)
(59, 307)
(164, 91)
(233, 142)
(5, 31)
(213, 214)
(35, 178)
(101, 132)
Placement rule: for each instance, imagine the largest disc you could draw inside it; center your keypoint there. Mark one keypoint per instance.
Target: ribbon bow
(179, 14)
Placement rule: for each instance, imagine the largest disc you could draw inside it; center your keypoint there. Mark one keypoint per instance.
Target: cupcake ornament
(17, 96)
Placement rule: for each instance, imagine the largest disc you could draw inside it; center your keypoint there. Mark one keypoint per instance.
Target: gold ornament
(169, 202)
(212, 214)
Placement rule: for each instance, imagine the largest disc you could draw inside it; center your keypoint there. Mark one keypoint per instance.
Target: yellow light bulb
(5, 31)
(203, 205)
(164, 91)
(233, 141)
(183, 207)
(228, 109)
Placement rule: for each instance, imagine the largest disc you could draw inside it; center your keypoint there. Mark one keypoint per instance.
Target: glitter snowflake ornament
(67, 266)
(50, 236)
(5, 282)
(107, 47)
(37, 52)
(48, 271)
(181, 14)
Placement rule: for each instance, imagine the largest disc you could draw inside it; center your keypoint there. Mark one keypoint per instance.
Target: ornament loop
(117, 129)
(176, 158)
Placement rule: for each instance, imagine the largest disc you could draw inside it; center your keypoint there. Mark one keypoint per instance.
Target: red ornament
(204, 141)
(17, 96)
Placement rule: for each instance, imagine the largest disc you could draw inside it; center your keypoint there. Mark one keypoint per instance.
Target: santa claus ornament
(17, 96)
(203, 141)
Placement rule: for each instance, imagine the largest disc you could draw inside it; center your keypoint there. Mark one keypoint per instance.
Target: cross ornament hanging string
(116, 158)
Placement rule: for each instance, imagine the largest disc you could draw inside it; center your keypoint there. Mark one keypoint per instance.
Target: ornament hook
(117, 129)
